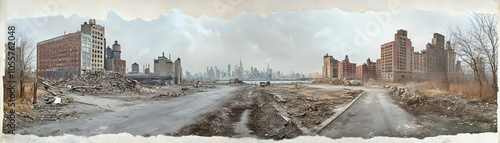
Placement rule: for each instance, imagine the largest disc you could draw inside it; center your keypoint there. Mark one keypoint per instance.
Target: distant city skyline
(290, 41)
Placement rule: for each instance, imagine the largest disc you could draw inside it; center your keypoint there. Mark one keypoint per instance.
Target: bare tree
(484, 28)
(26, 56)
(477, 43)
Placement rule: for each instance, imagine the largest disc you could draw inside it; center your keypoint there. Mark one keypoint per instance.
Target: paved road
(148, 118)
(374, 114)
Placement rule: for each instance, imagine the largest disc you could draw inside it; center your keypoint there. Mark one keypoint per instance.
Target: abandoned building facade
(330, 67)
(74, 53)
(346, 69)
(164, 66)
(366, 71)
(396, 58)
(66, 55)
(399, 63)
(97, 33)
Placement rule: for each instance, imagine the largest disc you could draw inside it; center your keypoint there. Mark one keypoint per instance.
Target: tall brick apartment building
(330, 67)
(437, 58)
(65, 55)
(396, 58)
(346, 69)
(366, 71)
(71, 54)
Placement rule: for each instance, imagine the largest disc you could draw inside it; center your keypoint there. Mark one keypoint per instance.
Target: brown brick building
(366, 71)
(396, 58)
(378, 70)
(71, 54)
(63, 56)
(346, 69)
(330, 67)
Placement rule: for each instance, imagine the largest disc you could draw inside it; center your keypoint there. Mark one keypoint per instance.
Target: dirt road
(374, 114)
(146, 118)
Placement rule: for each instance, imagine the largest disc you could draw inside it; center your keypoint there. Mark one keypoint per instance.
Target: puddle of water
(241, 128)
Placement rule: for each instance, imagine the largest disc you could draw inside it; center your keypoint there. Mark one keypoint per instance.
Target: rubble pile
(371, 82)
(235, 81)
(52, 112)
(352, 83)
(351, 94)
(447, 105)
(169, 94)
(108, 82)
(49, 86)
(331, 81)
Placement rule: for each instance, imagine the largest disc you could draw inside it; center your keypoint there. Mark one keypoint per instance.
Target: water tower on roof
(116, 50)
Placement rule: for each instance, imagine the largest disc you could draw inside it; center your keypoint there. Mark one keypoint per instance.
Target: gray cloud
(290, 41)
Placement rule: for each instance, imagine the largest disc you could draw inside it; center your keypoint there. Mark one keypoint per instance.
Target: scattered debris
(311, 108)
(235, 81)
(352, 83)
(331, 81)
(448, 105)
(100, 83)
(351, 94)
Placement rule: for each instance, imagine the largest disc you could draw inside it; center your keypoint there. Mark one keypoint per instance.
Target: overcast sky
(290, 41)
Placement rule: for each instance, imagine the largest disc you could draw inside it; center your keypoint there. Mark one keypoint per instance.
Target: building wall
(396, 58)
(118, 65)
(378, 69)
(366, 71)
(330, 67)
(360, 72)
(63, 56)
(135, 68)
(317, 75)
(96, 32)
(163, 66)
(346, 70)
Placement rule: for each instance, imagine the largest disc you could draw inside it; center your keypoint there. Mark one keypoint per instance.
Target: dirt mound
(447, 105)
(102, 83)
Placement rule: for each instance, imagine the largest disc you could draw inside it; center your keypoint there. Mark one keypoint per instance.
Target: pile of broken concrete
(108, 82)
(235, 81)
(331, 81)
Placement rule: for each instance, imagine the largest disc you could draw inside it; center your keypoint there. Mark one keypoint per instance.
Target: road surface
(373, 114)
(148, 118)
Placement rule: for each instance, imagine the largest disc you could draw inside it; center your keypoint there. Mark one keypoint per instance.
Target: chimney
(169, 57)
(163, 53)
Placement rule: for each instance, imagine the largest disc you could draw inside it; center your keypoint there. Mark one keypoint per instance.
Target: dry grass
(467, 90)
(22, 102)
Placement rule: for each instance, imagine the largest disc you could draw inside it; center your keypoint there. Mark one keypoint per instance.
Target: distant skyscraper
(229, 70)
